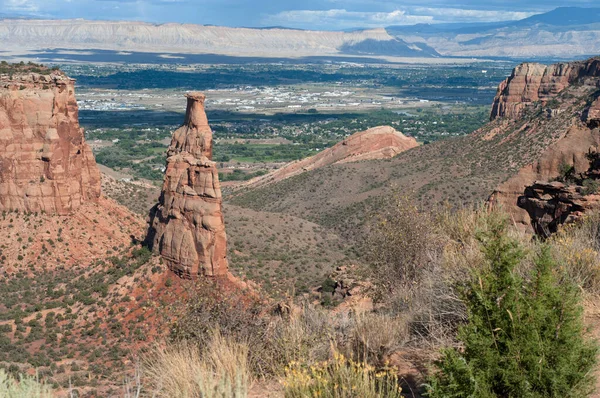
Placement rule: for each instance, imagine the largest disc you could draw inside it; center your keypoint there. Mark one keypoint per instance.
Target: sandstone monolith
(45, 163)
(186, 227)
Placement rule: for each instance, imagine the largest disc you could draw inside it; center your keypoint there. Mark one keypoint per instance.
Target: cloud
(27, 6)
(342, 18)
(462, 15)
(307, 14)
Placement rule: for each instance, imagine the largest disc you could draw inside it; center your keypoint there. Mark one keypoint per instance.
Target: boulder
(551, 204)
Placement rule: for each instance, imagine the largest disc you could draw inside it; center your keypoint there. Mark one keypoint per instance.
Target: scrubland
(464, 304)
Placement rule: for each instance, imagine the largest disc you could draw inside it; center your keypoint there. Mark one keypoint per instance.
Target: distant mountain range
(566, 32)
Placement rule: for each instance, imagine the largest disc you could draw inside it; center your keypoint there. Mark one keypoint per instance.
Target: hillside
(381, 142)
(459, 171)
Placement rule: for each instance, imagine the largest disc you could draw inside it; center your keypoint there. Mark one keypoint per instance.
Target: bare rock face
(564, 113)
(551, 204)
(382, 142)
(592, 114)
(45, 164)
(532, 82)
(187, 226)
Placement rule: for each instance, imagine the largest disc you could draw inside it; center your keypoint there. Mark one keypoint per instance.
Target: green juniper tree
(524, 337)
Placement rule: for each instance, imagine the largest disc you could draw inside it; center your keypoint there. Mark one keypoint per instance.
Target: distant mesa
(186, 227)
(563, 33)
(45, 163)
(382, 142)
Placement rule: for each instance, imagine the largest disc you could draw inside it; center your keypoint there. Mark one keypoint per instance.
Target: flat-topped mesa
(532, 82)
(186, 227)
(45, 164)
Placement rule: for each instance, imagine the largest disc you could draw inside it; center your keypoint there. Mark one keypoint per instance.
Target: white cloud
(458, 14)
(20, 5)
(341, 18)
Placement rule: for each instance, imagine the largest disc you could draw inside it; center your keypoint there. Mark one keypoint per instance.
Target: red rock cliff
(556, 134)
(186, 226)
(532, 82)
(45, 164)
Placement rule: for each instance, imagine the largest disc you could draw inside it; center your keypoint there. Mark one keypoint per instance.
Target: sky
(303, 14)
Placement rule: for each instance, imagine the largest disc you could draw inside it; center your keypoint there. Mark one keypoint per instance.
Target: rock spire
(186, 226)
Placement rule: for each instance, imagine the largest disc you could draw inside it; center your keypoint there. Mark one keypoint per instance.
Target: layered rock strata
(382, 142)
(45, 163)
(187, 226)
(559, 105)
(532, 82)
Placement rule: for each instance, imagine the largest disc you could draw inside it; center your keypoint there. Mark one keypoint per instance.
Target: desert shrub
(589, 186)
(577, 247)
(524, 337)
(340, 378)
(566, 171)
(374, 337)
(400, 244)
(25, 387)
(304, 337)
(237, 315)
(209, 306)
(182, 370)
(433, 306)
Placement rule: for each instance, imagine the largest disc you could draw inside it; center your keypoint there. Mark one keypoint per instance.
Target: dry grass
(183, 370)
(577, 247)
(375, 337)
(340, 377)
(25, 387)
(304, 337)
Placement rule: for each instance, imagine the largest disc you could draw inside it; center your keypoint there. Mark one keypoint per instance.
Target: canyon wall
(532, 82)
(45, 163)
(186, 226)
(564, 98)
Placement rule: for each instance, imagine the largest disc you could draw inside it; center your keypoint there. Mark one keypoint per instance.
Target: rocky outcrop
(592, 114)
(551, 204)
(45, 164)
(571, 148)
(187, 226)
(560, 129)
(382, 142)
(532, 82)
